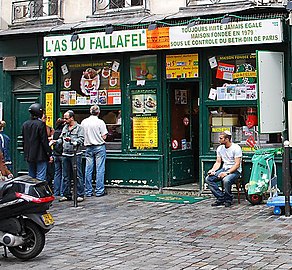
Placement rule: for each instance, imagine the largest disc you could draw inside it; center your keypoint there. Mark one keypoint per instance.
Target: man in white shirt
(95, 133)
(230, 154)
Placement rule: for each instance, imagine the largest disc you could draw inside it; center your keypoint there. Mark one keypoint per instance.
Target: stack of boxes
(222, 122)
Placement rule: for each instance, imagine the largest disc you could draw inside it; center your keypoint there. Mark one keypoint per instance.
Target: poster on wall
(49, 109)
(234, 77)
(144, 102)
(90, 83)
(145, 119)
(49, 73)
(182, 66)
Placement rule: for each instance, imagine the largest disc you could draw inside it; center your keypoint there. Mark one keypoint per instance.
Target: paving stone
(114, 233)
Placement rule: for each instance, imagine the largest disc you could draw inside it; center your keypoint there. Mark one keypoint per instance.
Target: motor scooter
(24, 219)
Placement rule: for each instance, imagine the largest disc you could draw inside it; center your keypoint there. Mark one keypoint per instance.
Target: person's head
(69, 117)
(225, 137)
(60, 123)
(94, 110)
(2, 125)
(36, 110)
(44, 118)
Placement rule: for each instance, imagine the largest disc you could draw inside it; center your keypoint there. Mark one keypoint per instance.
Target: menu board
(145, 132)
(182, 66)
(145, 119)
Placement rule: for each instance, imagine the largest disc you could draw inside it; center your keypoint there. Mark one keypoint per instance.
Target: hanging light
(74, 37)
(226, 19)
(109, 29)
(152, 26)
(193, 23)
(289, 5)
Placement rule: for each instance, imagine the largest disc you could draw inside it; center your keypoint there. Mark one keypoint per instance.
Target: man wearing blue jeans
(95, 133)
(230, 154)
(71, 138)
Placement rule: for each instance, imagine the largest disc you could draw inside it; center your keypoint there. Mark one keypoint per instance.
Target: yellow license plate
(48, 219)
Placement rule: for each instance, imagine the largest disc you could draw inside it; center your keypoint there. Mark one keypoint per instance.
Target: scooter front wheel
(33, 244)
(255, 199)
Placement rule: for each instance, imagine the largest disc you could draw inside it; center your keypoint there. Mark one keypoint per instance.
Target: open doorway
(183, 133)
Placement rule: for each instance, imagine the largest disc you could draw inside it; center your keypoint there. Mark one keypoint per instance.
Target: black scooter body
(12, 206)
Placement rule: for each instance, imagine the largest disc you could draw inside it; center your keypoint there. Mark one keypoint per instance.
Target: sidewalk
(111, 232)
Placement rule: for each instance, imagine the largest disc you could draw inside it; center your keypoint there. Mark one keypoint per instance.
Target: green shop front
(166, 94)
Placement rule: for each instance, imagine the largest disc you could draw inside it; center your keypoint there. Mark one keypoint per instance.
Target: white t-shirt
(229, 154)
(94, 129)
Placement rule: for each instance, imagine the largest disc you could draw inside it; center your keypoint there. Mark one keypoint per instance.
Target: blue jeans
(68, 164)
(38, 170)
(227, 181)
(95, 155)
(58, 180)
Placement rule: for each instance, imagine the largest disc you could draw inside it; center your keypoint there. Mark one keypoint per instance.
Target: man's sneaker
(102, 194)
(63, 199)
(227, 204)
(217, 203)
(80, 199)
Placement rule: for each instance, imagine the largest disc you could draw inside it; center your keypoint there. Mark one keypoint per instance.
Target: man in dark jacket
(37, 151)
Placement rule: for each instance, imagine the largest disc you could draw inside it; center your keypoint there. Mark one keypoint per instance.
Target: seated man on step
(230, 154)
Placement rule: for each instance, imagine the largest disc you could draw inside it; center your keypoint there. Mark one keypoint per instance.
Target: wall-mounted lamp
(152, 26)
(226, 19)
(193, 23)
(109, 29)
(289, 5)
(74, 37)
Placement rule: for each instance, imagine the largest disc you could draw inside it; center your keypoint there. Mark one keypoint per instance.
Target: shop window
(143, 68)
(96, 82)
(113, 121)
(242, 122)
(234, 91)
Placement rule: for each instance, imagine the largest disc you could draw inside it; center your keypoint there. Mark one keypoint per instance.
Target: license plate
(48, 219)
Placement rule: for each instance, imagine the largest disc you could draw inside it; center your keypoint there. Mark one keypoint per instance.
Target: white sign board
(271, 90)
(177, 37)
(234, 33)
(93, 43)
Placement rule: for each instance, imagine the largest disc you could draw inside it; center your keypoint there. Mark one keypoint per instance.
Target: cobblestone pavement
(112, 232)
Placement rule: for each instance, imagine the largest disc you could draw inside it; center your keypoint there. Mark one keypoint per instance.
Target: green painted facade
(159, 167)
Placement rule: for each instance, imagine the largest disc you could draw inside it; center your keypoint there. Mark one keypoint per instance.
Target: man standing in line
(37, 151)
(230, 154)
(95, 133)
(72, 136)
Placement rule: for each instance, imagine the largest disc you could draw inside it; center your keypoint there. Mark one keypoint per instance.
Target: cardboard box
(217, 120)
(230, 120)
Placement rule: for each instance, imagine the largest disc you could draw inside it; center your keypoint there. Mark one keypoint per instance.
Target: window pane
(137, 2)
(117, 3)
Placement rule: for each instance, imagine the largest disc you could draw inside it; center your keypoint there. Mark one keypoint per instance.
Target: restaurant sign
(177, 37)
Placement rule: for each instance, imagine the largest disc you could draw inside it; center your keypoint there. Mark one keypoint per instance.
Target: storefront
(165, 94)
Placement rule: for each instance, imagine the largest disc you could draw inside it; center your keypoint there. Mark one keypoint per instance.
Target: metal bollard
(286, 177)
(75, 179)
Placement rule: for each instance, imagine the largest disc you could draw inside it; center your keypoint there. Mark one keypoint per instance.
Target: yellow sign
(221, 129)
(182, 66)
(50, 73)
(49, 109)
(145, 132)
